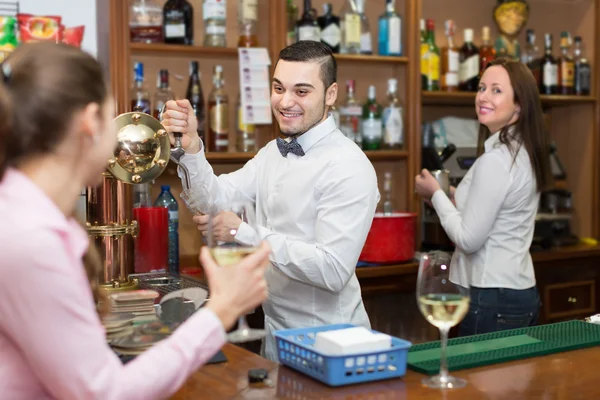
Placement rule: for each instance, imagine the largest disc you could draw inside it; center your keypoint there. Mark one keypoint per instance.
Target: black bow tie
(292, 147)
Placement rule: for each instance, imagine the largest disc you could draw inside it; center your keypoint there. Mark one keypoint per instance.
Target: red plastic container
(152, 242)
(391, 239)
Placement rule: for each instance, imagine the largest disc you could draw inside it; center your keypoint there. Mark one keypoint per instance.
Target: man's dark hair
(311, 51)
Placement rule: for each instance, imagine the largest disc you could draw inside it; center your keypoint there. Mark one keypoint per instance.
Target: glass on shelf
(145, 22)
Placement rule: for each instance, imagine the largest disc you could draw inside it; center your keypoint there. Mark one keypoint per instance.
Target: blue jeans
(498, 309)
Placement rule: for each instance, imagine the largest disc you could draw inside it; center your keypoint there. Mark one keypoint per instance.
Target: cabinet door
(569, 299)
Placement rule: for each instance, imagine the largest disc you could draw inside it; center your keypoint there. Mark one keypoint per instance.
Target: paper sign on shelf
(255, 85)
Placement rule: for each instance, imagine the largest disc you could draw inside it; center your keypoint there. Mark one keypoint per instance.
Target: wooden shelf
(468, 99)
(229, 158)
(386, 155)
(371, 58)
(178, 49)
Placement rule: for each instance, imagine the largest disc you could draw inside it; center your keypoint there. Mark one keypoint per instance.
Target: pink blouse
(52, 342)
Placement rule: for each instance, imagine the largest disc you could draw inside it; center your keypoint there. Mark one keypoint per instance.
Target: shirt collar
(494, 140)
(316, 133)
(41, 211)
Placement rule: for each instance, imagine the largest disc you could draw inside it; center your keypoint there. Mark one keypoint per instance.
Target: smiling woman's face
(494, 103)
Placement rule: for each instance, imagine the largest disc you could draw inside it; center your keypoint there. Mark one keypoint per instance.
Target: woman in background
(56, 134)
(491, 215)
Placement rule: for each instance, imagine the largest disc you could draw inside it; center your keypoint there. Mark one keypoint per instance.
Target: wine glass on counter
(229, 248)
(444, 304)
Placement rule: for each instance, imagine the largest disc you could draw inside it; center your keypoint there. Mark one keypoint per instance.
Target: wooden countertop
(568, 375)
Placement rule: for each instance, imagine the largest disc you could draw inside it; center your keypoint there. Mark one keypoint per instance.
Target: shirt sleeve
(348, 198)
(48, 313)
(225, 187)
(469, 228)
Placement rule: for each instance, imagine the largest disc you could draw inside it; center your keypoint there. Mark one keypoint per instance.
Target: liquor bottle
(195, 95)
(450, 63)
(372, 124)
(487, 52)
(330, 28)
(335, 113)
(350, 114)
(566, 66)
(178, 20)
(246, 133)
(423, 52)
(140, 98)
(432, 59)
(393, 124)
(390, 31)
(218, 113)
(582, 70)
(549, 68)
(163, 93)
(145, 22)
(350, 22)
(388, 202)
(531, 56)
(247, 17)
(469, 64)
(307, 26)
(167, 200)
(366, 40)
(214, 13)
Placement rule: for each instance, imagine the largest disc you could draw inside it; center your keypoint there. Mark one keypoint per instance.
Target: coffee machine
(141, 155)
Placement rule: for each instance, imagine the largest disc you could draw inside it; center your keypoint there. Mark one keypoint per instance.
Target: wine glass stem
(443, 360)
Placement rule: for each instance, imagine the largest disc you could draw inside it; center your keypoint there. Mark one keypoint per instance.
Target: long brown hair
(43, 85)
(529, 131)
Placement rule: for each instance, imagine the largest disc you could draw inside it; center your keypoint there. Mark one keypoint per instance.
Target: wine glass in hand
(444, 304)
(231, 236)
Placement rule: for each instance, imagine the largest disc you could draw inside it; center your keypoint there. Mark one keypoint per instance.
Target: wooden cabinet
(572, 299)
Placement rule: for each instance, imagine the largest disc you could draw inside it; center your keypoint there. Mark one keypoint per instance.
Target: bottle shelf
(371, 58)
(180, 49)
(468, 99)
(238, 158)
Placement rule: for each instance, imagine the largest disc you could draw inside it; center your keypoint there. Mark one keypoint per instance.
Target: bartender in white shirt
(315, 194)
(490, 217)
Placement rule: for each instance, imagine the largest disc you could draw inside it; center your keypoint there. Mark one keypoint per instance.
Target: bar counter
(569, 375)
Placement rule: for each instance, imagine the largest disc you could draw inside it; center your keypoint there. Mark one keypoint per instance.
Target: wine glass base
(448, 382)
(246, 335)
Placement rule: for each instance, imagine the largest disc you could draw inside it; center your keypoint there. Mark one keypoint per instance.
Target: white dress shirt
(493, 221)
(315, 212)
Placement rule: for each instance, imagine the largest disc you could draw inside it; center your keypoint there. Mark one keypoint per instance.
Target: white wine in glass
(444, 304)
(228, 251)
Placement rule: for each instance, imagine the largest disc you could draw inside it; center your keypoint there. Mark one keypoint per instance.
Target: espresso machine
(141, 155)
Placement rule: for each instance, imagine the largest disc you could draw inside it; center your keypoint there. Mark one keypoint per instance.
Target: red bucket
(391, 239)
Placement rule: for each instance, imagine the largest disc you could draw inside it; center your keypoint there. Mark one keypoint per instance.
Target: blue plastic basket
(295, 349)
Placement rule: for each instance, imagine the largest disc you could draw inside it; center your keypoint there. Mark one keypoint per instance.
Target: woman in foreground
(56, 135)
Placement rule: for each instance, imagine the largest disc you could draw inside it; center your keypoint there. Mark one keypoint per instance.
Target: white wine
(444, 310)
(231, 256)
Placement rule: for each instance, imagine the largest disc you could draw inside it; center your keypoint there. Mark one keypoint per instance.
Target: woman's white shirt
(493, 221)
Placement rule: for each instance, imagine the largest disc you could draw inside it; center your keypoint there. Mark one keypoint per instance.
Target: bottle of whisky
(178, 17)
(372, 124)
(469, 64)
(140, 98)
(432, 59)
(450, 62)
(163, 93)
(390, 31)
(549, 68)
(307, 26)
(582, 70)
(330, 28)
(487, 52)
(566, 66)
(195, 95)
(393, 124)
(218, 113)
(247, 16)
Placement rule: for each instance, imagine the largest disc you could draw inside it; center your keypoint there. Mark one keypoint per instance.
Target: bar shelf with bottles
(181, 49)
(449, 76)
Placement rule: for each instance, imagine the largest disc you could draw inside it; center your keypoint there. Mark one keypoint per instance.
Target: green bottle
(372, 122)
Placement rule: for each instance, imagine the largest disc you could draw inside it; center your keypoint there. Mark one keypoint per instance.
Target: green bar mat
(497, 347)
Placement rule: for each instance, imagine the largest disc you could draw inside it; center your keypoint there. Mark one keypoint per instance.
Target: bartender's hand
(235, 291)
(179, 117)
(225, 225)
(426, 185)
